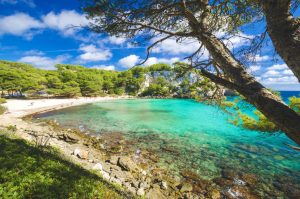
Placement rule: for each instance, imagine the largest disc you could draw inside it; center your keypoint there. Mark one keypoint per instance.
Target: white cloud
(234, 41)
(104, 67)
(19, 24)
(278, 67)
(92, 53)
(254, 68)
(30, 3)
(189, 46)
(67, 21)
(287, 72)
(116, 40)
(34, 52)
(171, 46)
(260, 58)
(129, 61)
(154, 60)
(281, 80)
(44, 62)
(272, 73)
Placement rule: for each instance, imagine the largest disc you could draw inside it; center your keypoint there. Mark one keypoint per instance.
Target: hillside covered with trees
(159, 80)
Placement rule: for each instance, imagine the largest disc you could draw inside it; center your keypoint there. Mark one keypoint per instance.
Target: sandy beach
(20, 108)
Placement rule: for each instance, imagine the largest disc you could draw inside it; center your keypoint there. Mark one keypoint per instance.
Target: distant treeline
(19, 79)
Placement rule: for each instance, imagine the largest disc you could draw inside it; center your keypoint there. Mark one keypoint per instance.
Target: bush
(12, 128)
(156, 90)
(2, 100)
(2, 109)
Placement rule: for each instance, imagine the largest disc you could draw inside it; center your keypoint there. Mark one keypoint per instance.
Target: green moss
(28, 172)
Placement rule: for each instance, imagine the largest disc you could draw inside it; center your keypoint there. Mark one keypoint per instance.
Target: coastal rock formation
(80, 153)
(127, 164)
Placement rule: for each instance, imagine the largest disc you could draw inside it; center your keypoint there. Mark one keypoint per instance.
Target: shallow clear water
(190, 135)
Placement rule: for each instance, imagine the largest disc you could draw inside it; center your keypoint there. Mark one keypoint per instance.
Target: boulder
(155, 194)
(127, 164)
(215, 194)
(98, 166)
(82, 154)
(186, 187)
(69, 138)
(140, 192)
(76, 152)
(164, 185)
(144, 185)
(114, 160)
(105, 175)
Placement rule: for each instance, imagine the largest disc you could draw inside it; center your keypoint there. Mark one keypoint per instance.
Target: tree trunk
(284, 31)
(255, 93)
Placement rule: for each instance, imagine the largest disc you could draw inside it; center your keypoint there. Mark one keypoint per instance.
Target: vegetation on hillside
(17, 79)
(30, 172)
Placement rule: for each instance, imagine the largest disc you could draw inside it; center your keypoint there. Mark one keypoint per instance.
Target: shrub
(2, 100)
(2, 109)
(12, 128)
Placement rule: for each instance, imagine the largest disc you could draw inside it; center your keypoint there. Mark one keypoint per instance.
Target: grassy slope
(28, 172)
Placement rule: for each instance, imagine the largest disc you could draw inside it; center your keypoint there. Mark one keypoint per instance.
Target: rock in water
(186, 187)
(127, 164)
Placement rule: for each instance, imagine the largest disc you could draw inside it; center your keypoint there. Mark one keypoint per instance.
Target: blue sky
(45, 33)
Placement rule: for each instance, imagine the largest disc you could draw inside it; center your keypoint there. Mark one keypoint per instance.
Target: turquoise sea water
(191, 135)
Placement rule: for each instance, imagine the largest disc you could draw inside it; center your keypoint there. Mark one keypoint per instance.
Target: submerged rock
(250, 179)
(186, 187)
(214, 194)
(189, 175)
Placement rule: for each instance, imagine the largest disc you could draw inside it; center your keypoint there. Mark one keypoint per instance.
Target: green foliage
(12, 128)
(2, 109)
(156, 90)
(257, 121)
(160, 67)
(2, 100)
(29, 172)
(261, 124)
(74, 81)
(295, 103)
(160, 88)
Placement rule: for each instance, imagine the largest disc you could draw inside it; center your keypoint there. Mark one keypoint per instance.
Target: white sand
(20, 108)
